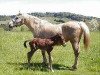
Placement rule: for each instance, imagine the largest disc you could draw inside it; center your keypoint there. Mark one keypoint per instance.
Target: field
(13, 59)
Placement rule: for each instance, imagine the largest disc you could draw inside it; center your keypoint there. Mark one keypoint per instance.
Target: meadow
(13, 57)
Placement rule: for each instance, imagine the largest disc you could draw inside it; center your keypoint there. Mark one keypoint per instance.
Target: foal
(44, 44)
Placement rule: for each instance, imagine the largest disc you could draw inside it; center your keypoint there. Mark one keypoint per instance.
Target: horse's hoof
(52, 70)
(74, 67)
(29, 65)
(44, 63)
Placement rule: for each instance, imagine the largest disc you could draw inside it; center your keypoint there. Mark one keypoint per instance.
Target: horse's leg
(76, 48)
(44, 57)
(50, 60)
(29, 55)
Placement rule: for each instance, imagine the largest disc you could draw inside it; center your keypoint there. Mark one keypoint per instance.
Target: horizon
(81, 7)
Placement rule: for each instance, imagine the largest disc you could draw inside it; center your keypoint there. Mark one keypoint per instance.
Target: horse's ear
(19, 13)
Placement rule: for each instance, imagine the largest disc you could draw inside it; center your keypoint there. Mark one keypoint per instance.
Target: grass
(13, 59)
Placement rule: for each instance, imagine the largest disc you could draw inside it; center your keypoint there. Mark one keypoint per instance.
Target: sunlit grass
(13, 59)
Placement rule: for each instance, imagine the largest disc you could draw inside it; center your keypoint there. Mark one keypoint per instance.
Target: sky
(83, 7)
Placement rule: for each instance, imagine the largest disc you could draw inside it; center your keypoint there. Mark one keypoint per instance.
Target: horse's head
(16, 21)
(58, 39)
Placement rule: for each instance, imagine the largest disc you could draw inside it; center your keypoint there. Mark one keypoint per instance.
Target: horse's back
(71, 30)
(47, 31)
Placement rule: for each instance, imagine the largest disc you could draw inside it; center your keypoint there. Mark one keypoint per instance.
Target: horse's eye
(16, 18)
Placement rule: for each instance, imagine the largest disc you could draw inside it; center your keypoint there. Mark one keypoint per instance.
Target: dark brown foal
(44, 44)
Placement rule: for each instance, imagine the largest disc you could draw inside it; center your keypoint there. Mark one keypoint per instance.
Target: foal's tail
(86, 34)
(26, 42)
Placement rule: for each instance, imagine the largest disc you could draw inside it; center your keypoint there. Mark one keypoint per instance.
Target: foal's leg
(50, 60)
(44, 57)
(29, 55)
(76, 48)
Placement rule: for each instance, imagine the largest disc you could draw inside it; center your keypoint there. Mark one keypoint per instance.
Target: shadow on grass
(38, 66)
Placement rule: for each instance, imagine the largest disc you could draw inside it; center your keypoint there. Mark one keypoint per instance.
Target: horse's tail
(86, 34)
(26, 42)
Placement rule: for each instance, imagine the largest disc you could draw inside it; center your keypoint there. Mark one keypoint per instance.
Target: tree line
(60, 15)
(68, 15)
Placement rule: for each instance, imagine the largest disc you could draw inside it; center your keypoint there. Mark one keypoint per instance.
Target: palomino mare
(72, 31)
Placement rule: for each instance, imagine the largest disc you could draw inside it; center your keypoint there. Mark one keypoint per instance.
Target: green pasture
(13, 58)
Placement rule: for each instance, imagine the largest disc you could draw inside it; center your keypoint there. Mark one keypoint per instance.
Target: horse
(72, 31)
(44, 44)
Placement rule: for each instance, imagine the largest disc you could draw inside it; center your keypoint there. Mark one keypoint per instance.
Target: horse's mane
(36, 19)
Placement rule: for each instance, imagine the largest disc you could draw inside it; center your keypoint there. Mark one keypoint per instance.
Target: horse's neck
(32, 25)
(28, 23)
(35, 22)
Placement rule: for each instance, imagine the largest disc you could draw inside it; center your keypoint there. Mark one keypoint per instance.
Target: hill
(60, 17)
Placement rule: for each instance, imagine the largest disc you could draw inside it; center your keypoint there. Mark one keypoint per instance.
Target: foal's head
(58, 39)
